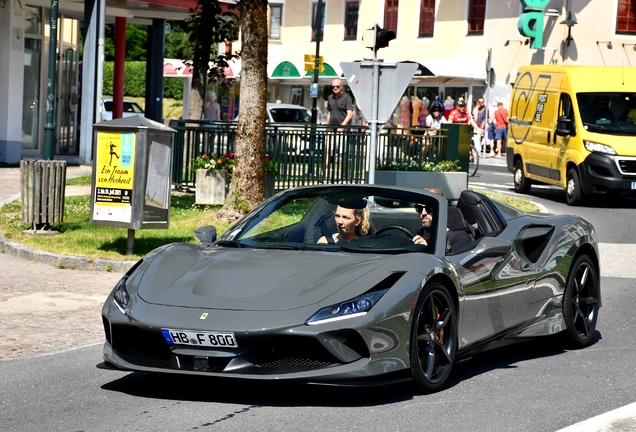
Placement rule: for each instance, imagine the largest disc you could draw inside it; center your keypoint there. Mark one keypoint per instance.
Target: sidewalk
(46, 308)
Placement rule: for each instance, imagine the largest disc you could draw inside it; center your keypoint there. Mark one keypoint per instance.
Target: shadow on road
(277, 393)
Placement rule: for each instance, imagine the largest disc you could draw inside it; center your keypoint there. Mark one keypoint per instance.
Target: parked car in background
(131, 108)
(286, 113)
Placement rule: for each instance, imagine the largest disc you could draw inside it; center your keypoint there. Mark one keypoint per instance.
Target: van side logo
(527, 106)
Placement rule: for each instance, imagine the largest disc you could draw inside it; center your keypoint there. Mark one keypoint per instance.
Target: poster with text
(114, 176)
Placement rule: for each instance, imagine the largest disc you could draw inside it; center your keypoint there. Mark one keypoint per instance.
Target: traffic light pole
(374, 110)
(318, 27)
(49, 127)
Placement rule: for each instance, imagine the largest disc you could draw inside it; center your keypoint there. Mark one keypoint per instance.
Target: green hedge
(135, 81)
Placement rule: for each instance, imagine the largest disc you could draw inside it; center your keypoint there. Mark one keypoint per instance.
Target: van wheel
(522, 184)
(573, 193)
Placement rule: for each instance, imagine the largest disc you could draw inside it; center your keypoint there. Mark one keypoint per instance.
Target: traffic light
(376, 37)
(383, 37)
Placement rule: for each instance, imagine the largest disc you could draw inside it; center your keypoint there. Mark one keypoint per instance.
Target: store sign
(530, 22)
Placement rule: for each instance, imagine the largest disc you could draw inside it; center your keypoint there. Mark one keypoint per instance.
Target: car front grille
(627, 166)
(260, 356)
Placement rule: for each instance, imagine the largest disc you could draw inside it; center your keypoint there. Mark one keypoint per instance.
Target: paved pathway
(44, 308)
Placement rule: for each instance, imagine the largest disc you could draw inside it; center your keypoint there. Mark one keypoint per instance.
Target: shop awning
(285, 69)
(471, 69)
(329, 72)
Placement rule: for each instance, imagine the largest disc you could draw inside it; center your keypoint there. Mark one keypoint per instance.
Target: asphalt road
(536, 386)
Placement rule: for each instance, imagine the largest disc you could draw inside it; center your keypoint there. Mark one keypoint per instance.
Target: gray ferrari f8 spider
(277, 297)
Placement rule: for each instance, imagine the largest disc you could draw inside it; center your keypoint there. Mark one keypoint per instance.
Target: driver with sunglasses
(454, 239)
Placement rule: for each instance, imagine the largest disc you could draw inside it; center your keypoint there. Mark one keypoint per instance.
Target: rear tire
(522, 184)
(580, 302)
(433, 338)
(573, 193)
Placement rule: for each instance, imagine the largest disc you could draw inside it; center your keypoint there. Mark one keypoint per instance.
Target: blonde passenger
(350, 223)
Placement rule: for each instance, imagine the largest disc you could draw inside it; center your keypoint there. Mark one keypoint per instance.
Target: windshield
(608, 112)
(336, 218)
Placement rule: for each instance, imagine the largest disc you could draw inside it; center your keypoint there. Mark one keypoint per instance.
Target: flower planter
(211, 186)
(451, 183)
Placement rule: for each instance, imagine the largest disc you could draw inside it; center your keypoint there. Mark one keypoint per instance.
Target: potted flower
(417, 174)
(213, 177)
(213, 174)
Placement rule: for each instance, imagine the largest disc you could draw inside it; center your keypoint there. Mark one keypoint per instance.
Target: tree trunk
(247, 188)
(203, 28)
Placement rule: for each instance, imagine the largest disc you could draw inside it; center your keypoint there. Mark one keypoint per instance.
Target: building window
(626, 17)
(275, 14)
(476, 17)
(391, 15)
(314, 7)
(427, 18)
(351, 19)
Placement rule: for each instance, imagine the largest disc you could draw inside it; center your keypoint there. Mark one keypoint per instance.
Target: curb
(63, 261)
(56, 260)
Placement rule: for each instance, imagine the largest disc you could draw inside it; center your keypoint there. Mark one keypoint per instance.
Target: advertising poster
(158, 181)
(114, 177)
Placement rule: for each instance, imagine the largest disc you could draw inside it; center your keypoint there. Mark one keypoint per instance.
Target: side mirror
(565, 127)
(206, 235)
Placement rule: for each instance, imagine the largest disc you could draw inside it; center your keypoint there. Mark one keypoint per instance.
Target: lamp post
(570, 22)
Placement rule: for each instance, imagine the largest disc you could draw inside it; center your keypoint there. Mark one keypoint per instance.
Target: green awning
(285, 70)
(329, 72)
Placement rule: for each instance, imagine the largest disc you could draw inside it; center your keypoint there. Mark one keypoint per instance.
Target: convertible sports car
(266, 301)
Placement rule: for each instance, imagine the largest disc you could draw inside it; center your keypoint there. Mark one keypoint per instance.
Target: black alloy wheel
(433, 338)
(580, 302)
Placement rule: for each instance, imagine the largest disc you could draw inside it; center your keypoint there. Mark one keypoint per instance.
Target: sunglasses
(336, 86)
(422, 207)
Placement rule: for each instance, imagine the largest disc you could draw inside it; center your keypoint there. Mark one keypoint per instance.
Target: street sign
(393, 81)
(310, 63)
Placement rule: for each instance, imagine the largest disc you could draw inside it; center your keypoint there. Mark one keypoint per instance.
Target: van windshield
(608, 112)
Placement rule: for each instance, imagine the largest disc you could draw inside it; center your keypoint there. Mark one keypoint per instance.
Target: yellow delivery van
(574, 127)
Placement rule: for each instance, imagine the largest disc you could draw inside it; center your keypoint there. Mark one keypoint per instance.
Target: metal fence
(308, 154)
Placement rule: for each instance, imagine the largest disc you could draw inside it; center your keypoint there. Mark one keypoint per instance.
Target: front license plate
(195, 338)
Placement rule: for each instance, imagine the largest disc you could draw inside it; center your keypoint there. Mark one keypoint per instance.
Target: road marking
(618, 420)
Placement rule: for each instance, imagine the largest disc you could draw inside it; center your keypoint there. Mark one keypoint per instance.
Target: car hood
(248, 279)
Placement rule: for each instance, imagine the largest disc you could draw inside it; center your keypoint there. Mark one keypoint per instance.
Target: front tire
(433, 338)
(573, 193)
(580, 302)
(522, 184)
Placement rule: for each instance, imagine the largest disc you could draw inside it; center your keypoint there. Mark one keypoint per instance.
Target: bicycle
(473, 155)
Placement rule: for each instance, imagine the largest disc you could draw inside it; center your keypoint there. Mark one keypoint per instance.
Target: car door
(498, 283)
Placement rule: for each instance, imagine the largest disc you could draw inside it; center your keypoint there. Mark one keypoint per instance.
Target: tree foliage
(136, 42)
(209, 25)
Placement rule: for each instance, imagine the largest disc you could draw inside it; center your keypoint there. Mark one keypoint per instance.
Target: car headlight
(121, 296)
(347, 309)
(599, 148)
